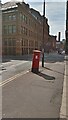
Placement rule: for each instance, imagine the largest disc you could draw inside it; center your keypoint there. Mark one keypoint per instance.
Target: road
(15, 66)
(25, 94)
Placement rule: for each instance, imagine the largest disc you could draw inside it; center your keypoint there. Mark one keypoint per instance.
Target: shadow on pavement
(47, 77)
(54, 70)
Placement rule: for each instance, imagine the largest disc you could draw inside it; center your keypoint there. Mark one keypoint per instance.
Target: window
(9, 50)
(13, 42)
(26, 31)
(36, 44)
(31, 43)
(35, 25)
(5, 42)
(10, 29)
(25, 42)
(10, 17)
(9, 42)
(26, 19)
(14, 17)
(29, 32)
(23, 18)
(20, 16)
(14, 29)
(5, 17)
(14, 51)
(5, 50)
(5, 29)
(22, 42)
(29, 21)
(23, 30)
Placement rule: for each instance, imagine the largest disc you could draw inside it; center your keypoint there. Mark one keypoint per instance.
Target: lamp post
(43, 34)
(0, 29)
(66, 49)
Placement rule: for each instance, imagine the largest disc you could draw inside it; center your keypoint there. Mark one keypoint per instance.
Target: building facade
(51, 44)
(22, 29)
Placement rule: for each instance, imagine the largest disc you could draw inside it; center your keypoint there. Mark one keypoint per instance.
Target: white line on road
(12, 78)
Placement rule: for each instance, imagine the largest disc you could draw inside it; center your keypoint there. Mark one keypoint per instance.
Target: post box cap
(36, 51)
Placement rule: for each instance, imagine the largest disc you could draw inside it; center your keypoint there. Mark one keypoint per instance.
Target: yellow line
(12, 78)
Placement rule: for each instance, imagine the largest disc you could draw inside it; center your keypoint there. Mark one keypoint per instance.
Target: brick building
(22, 29)
(46, 27)
(52, 40)
(51, 44)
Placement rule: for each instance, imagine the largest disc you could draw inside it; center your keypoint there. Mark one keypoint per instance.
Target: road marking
(12, 78)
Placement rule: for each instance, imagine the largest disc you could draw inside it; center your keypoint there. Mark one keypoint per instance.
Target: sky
(55, 11)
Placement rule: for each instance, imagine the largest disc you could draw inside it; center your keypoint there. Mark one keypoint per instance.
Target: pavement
(35, 95)
(64, 105)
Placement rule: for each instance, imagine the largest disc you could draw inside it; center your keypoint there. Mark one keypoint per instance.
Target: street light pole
(66, 49)
(43, 34)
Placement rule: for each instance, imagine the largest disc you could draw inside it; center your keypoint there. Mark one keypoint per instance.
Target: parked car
(63, 52)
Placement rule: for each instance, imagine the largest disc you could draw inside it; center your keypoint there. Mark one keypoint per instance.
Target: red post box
(35, 61)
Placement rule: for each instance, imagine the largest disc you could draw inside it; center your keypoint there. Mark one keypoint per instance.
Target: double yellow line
(4, 82)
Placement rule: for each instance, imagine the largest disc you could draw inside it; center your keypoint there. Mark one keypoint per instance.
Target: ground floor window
(9, 50)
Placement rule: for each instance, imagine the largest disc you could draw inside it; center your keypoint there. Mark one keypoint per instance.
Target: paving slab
(64, 105)
(34, 95)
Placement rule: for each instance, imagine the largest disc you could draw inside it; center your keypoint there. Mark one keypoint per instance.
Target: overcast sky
(55, 12)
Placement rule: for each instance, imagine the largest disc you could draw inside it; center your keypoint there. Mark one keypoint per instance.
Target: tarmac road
(14, 65)
(35, 95)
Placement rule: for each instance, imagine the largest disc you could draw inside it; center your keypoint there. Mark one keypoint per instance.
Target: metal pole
(66, 49)
(43, 34)
(59, 35)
